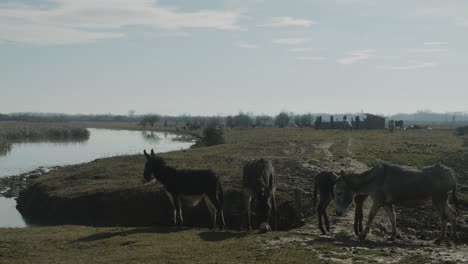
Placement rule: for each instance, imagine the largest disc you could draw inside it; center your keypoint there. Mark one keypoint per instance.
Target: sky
(210, 57)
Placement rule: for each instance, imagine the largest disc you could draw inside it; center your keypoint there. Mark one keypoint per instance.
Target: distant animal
(186, 186)
(324, 183)
(259, 187)
(399, 124)
(347, 125)
(391, 125)
(390, 185)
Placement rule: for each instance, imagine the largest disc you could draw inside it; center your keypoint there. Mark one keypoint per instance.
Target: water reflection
(4, 148)
(151, 137)
(7, 147)
(27, 156)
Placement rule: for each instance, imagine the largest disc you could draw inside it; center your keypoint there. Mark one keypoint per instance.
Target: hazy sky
(222, 57)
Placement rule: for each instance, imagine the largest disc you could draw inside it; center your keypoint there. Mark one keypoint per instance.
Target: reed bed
(13, 131)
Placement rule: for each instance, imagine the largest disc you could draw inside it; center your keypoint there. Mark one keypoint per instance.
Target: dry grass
(12, 131)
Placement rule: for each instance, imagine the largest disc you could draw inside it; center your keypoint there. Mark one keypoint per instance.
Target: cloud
(84, 21)
(179, 34)
(436, 43)
(410, 66)
(303, 49)
(288, 41)
(356, 56)
(462, 22)
(247, 46)
(428, 50)
(286, 21)
(311, 58)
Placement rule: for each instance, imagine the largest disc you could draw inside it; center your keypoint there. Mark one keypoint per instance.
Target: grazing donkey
(399, 125)
(189, 186)
(259, 184)
(324, 183)
(390, 185)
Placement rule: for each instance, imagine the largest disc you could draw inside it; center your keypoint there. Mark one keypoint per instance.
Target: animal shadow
(214, 236)
(106, 235)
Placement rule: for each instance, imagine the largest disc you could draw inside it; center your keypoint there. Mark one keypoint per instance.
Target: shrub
(282, 120)
(213, 135)
(462, 130)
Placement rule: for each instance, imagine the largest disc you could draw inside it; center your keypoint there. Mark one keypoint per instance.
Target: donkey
(399, 124)
(390, 185)
(188, 186)
(259, 184)
(324, 183)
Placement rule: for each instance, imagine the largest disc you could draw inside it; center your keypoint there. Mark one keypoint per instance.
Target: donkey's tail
(455, 199)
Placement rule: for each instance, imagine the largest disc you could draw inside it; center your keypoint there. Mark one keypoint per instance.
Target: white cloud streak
(303, 49)
(356, 56)
(247, 46)
(286, 21)
(428, 50)
(436, 43)
(410, 66)
(288, 41)
(87, 21)
(311, 58)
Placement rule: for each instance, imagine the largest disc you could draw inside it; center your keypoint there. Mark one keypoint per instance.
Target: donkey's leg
(320, 211)
(452, 216)
(390, 210)
(440, 206)
(178, 206)
(247, 201)
(219, 209)
(212, 209)
(274, 211)
(358, 213)
(171, 200)
(325, 216)
(373, 212)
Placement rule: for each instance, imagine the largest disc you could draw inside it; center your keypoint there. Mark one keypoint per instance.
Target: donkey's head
(152, 167)
(343, 194)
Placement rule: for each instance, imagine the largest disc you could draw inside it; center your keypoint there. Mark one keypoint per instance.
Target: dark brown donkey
(186, 187)
(259, 185)
(324, 183)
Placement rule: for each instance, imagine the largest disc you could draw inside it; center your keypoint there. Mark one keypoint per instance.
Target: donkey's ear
(152, 153)
(148, 157)
(342, 173)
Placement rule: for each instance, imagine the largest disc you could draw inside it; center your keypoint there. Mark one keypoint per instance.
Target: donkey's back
(192, 182)
(403, 184)
(258, 174)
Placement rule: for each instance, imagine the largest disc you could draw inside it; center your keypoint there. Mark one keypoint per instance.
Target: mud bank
(98, 194)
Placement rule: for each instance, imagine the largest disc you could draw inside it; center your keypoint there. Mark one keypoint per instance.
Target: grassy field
(297, 154)
(77, 244)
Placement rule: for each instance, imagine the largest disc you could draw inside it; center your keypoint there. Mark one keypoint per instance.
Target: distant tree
(282, 120)
(131, 113)
(297, 120)
(149, 119)
(230, 121)
(306, 120)
(242, 120)
(262, 120)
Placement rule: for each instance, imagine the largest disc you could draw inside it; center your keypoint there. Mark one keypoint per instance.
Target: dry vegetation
(13, 131)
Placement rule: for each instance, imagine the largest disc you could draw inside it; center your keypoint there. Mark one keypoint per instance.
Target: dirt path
(377, 248)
